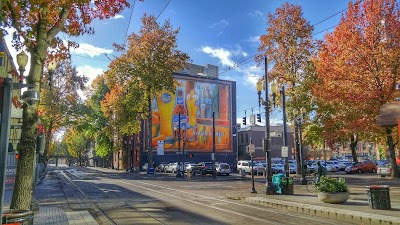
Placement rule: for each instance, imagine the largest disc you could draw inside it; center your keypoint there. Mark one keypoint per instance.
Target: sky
(224, 33)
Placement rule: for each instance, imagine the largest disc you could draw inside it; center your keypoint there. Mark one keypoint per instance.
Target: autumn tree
(76, 141)
(359, 65)
(98, 125)
(142, 71)
(60, 100)
(288, 47)
(36, 25)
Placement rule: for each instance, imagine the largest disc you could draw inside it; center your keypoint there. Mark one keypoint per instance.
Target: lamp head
(273, 87)
(259, 85)
(31, 96)
(52, 65)
(22, 59)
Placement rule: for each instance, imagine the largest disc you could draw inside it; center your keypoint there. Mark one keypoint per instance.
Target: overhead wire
(163, 9)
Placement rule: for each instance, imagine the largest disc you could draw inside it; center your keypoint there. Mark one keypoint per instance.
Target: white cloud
(254, 39)
(118, 16)
(256, 13)
(89, 71)
(224, 55)
(90, 50)
(219, 24)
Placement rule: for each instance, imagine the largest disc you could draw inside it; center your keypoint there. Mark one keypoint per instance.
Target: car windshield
(224, 166)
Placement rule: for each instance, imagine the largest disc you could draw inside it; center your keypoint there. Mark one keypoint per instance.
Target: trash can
(151, 170)
(378, 197)
(17, 216)
(277, 182)
(287, 186)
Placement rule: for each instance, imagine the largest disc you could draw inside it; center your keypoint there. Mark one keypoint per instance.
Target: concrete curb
(321, 211)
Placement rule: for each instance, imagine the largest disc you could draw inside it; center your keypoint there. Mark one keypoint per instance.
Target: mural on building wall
(191, 108)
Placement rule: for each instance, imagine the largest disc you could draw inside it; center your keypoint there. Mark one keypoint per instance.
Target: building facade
(185, 122)
(257, 134)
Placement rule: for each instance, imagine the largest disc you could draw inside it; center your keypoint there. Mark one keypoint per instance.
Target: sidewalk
(53, 207)
(355, 210)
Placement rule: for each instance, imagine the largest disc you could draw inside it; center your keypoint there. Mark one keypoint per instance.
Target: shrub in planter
(331, 184)
(332, 190)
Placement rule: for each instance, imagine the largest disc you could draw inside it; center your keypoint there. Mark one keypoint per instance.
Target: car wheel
(359, 171)
(373, 170)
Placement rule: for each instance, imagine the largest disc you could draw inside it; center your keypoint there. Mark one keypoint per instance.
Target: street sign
(252, 119)
(250, 149)
(285, 151)
(160, 147)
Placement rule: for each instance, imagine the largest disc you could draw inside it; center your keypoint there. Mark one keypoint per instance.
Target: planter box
(333, 197)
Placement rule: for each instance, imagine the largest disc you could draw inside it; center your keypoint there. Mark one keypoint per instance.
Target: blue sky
(218, 32)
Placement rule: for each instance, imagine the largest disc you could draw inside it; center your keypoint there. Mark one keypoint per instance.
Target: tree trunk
(22, 193)
(47, 142)
(392, 155)
(353, 145)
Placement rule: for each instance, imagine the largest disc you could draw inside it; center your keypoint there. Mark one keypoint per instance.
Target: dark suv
(204, 168)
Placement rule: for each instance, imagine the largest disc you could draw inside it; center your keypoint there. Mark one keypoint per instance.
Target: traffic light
(259, 118)
(191, 155)
(244, 120)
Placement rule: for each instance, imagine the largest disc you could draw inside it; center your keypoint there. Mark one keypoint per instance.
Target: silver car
(223, 168)
(386, 170)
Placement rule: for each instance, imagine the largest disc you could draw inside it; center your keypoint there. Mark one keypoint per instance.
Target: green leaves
(331, 184)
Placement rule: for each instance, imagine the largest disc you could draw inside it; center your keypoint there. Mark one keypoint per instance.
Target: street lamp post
(269, 189)
(299, 119)
(30, 97)
(285, 139)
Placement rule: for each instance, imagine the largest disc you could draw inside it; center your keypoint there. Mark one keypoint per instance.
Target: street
(115, 197)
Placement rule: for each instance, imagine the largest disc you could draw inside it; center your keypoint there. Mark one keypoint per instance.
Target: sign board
(213, 156)
(250, 149)
(160, 147)
(252, 119)
(285, 151)
(11, 172)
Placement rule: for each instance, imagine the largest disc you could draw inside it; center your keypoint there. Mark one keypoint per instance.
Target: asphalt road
(115, 197)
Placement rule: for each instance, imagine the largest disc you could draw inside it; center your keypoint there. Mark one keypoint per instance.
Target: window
(247, 138)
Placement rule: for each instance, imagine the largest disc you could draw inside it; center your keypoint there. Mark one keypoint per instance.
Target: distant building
(200, 95)
(257, 134)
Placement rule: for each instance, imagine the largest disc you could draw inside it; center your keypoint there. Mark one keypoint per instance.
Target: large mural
(189, 112)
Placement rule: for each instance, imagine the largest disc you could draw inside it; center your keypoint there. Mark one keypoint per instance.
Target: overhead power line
(164, 8)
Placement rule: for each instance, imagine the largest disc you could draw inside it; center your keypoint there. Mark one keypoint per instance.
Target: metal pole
(183, 155)
(285, 139)
(150, 156)
(253, 189)
(5, 132)
(213, 143)
(178, 171)
(269, 189)
(303, 179)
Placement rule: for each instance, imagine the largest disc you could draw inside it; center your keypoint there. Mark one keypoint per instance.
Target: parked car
(223, 168)
(244, 166)
(386, 169)
(170, 167)
(205, 168)
(362, 167)
(145, 166)
(277, 168)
